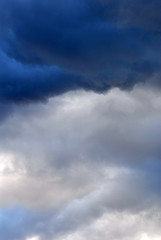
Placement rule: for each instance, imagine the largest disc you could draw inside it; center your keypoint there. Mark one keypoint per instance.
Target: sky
(80, 120)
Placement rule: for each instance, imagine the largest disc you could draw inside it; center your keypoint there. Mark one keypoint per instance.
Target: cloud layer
(53, 47)
(75, 167)
(80, 120)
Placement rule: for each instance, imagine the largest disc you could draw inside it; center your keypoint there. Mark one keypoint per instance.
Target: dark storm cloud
(23, 83)
(97, 44)
(141, 13)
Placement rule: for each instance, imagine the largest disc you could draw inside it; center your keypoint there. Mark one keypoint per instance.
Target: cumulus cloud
(75, 167)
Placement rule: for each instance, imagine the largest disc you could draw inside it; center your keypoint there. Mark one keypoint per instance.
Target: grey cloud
(81, 155)
(124, 129)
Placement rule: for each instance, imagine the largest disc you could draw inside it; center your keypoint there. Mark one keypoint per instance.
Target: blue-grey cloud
(23, 83)
(96, 44)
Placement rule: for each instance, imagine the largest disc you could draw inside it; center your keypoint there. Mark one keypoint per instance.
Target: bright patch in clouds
(147, 237)
(6, 163)
(33, 238)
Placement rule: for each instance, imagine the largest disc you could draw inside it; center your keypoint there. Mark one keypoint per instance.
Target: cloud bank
(81, 164)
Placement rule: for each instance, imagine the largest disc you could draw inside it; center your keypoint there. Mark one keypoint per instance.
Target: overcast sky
(80, 120)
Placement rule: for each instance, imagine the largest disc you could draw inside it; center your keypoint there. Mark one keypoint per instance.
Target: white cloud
(88, 162)
(33, 238)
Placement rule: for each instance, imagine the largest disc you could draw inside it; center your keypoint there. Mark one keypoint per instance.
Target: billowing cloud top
(50, 47)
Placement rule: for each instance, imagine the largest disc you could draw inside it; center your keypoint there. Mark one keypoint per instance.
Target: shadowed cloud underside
(48, 48)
